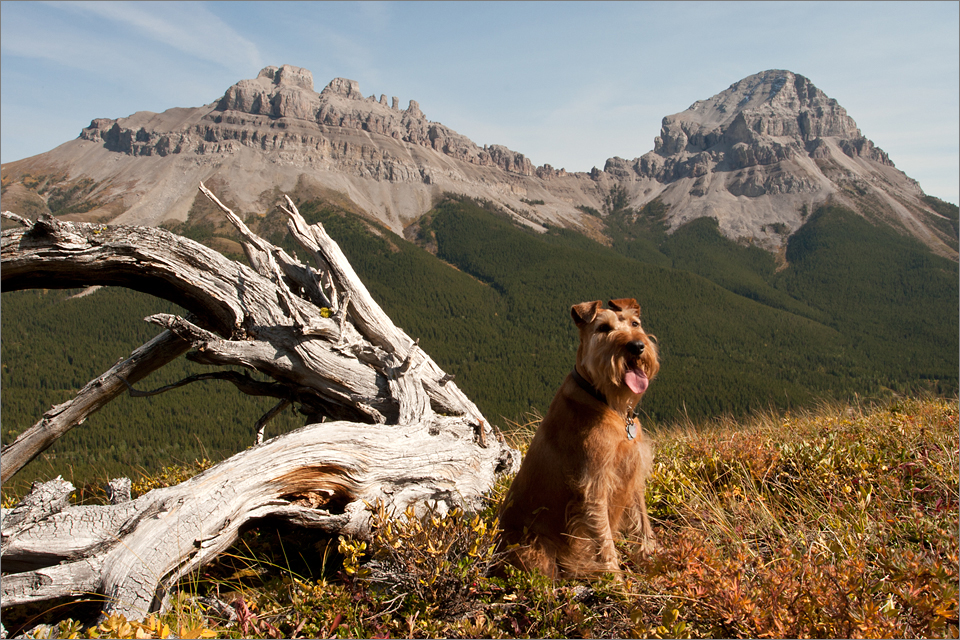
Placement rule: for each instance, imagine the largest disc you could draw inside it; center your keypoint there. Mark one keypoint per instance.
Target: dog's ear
(623, 304)
(585, 312)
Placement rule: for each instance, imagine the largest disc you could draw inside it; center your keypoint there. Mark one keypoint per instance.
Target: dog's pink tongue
(636, 380)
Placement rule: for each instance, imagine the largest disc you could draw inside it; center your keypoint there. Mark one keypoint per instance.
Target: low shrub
(839, 522)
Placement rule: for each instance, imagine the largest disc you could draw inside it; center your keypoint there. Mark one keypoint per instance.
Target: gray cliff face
(275, 131)
(281, 94)
(761, 120)
(760, 154)
(757, 157)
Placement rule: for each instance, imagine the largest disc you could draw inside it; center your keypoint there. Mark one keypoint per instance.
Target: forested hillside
(849, 308)
(54, 342)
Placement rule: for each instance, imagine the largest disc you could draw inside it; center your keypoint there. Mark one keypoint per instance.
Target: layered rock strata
(765, 151)
(256, 113)
(757, 157)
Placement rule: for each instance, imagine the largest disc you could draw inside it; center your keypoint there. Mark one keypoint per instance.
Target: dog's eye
(604, 328)
(636, 323)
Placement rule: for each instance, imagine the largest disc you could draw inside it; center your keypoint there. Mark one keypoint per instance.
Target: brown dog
(583, 478)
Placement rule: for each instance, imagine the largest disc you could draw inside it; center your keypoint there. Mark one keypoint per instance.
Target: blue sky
(570, 84)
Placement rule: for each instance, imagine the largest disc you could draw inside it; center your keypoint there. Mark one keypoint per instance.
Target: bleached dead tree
(399, 431)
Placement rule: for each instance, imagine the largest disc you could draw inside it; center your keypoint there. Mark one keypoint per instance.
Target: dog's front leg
(606, 550)
(640, 524)
(592, 549)
(638, 518)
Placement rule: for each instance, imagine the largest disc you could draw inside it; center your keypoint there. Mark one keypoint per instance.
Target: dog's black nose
(635, 348)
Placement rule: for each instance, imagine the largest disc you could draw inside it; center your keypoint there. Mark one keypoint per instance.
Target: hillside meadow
(806, 480)
(841, 521)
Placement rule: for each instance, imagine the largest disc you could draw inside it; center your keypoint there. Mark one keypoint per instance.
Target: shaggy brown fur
(583, 478)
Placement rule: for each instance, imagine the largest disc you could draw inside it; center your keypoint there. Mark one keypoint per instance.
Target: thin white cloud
(185, 27)
(63, 47)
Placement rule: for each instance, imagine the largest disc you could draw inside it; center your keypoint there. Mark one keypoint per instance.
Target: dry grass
(837, 522)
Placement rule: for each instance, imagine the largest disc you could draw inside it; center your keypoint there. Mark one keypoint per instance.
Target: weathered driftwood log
(402, 433)
(322, 476)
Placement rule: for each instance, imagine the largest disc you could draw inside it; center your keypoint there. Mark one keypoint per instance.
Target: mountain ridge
(755, 157)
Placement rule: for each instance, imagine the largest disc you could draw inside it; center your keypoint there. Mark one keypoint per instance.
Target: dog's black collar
(586, 386)
(630, 425)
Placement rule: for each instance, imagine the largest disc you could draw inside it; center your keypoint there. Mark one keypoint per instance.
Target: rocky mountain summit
(762, 120)
(764, 153)
(758, 157)
(286, 93)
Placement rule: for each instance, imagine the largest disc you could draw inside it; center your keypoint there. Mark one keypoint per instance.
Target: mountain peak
(775, 145)
(776, 87)
(770, 104)
(764, 119)
(288, 75)
(757, 157)
(343, 87)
